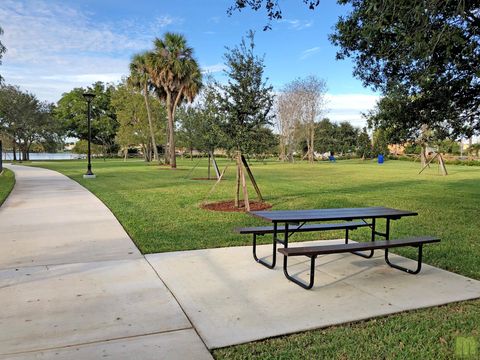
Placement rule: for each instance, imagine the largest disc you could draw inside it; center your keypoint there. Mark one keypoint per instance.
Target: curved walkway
(74, 286)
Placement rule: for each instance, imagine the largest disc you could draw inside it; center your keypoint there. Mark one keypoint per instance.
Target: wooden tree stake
(252, 179)
(245, 191)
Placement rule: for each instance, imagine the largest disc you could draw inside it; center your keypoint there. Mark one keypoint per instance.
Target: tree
(364, 144)
(176, 77)
(380, 142)
(245, 101)
(271, 6)
(348, 137)
(135, 121)
(308, 97)
(326, 136)
(140, 79)
(3, 49)
(287, 123)
(72, 111)
(424, 55)
(201, 125)
(26, 120)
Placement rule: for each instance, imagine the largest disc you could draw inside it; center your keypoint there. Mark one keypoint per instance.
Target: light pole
(89, 97)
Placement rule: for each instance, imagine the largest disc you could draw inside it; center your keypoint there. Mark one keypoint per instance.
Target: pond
(45, 156)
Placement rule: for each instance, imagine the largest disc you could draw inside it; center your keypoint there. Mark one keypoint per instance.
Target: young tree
(176, 77)
(140, 79)
(246, 100)
(308, 96)
(133, 118)
(364, 144)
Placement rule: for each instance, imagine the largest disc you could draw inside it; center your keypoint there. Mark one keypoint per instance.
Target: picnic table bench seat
(262, 230)
(313, 251)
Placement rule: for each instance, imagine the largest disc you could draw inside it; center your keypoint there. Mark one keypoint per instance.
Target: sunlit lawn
(7, 180)
(160, 210)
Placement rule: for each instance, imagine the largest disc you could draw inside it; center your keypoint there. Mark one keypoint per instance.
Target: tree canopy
(176, 76)
(423, 56)
(246, 100)
(272, 7)
(25, 120)
(72, 111)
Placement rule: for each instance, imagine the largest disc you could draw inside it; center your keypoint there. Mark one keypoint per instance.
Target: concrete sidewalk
(74, 286)
(230, 299)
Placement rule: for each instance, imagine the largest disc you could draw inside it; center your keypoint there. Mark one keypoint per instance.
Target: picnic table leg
(296, 281)
(413, 272)
(372, 239)
(274, 254)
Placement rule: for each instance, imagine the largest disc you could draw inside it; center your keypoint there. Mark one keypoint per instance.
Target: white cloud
(210, 69)
(349, 107)
(296, 24)
(52, 47)
(309, 52)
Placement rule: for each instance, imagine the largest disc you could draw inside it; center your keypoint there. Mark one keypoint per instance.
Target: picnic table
(289, 222)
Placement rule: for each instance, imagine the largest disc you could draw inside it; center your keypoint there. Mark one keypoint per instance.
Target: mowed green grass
(7, 180)
(160, 210)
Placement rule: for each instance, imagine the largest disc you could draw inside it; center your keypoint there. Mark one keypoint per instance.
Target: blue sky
(54, 46)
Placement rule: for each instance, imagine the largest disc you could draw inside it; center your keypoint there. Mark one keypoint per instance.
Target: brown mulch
(230, 206)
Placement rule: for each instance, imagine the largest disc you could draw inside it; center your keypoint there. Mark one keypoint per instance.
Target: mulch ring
(230, 206)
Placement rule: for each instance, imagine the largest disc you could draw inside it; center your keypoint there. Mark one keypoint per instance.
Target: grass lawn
(7, 180)
(159, 208)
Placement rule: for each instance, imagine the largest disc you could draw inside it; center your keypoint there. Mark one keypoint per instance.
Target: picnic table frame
(302, 217)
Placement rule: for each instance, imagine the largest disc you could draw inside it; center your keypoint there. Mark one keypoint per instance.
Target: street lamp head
(88, 96)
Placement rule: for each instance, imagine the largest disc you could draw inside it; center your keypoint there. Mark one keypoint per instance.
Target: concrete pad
(182, 344)
(230, 299)
(50, 219)
(47, 307)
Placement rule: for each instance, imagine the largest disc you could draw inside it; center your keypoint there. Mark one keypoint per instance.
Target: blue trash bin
(380, 159)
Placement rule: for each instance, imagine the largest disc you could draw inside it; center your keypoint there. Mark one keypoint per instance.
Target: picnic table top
(331, 214)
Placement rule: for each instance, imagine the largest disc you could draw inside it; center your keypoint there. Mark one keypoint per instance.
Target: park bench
(313, 251)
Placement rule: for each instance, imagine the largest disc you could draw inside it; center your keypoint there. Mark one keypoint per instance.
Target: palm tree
(176, 77)
(139, 78)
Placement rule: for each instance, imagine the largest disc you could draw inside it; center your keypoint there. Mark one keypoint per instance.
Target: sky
(54, 46)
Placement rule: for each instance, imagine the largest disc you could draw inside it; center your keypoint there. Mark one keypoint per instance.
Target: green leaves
(423, 55)
(246, 100)
(72, 110)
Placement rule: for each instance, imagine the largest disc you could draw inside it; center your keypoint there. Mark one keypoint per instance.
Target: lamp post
(89, 97)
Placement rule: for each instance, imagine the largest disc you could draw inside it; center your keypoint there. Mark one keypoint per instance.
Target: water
(45, 156)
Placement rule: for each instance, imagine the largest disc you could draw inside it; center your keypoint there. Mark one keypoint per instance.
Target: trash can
(380, 159)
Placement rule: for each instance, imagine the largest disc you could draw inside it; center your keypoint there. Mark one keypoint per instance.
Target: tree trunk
(311, 139)
(237, 191)
(171, 130)
(150, 123)
(283, 155)
(209, 165)
(246, 202)
(423, 155)
(14, 146)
